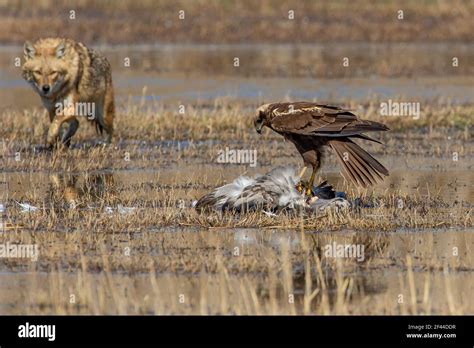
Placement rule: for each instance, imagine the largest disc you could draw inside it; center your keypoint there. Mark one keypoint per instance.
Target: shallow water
(380, 275)
(446, 185)
(174, 73)
(450, 187)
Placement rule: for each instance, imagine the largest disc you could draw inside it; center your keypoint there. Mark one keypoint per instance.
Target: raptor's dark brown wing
(337, 124)
(320, 120)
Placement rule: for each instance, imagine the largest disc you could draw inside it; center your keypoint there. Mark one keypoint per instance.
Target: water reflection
(302, 60)
(73, 189)
(449, 190)
(271, 72)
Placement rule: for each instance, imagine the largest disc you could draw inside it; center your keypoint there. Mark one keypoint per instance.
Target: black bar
(290, 330)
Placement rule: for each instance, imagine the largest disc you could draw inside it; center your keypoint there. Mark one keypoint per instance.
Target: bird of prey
(312, 126)
(273, 192)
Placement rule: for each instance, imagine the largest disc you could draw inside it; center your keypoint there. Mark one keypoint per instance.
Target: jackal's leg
(53, 131)
(67, 115)
(109, 113)
(55, 128)
(67, 133)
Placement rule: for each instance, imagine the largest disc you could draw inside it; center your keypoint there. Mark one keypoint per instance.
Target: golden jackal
(72, 80)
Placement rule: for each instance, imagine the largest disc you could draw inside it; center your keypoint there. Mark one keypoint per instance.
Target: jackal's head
(45, 66)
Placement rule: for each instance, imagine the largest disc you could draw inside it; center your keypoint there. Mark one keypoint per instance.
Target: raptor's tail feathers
(358, 166)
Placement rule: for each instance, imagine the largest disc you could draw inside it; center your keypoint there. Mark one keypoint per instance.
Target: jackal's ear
(60, 50)
(28, 50)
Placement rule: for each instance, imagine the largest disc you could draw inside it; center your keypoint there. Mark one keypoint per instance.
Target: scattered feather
(27, 208)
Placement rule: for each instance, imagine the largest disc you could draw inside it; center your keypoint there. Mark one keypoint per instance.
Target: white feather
(231, 191)
(273, 191)
(26, 208)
